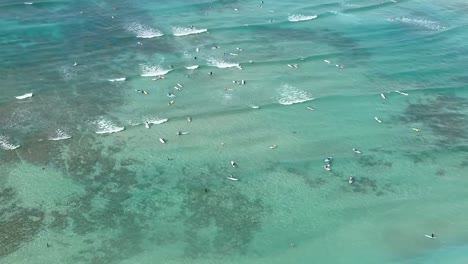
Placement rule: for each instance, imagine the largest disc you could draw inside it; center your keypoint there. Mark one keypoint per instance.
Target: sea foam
(118, 79)
(142, 31)
(6, 144)
(107, 127)
(59, 135)
(223, 64)
(156, 121)
(291, 95)
(423, 23)
(299, 18)
(151, 71)
(181, 31)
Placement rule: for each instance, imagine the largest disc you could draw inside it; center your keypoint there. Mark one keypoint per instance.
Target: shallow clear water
(83, 181)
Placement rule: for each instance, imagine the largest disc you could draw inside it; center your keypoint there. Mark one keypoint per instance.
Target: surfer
(147, 124)
(233, 164)
(206, 190)
(350, 180)
(432, 235)
(210, 73)
(189, 119)
(357, 151)
(328, 160)
(327, 166)
(243, 82)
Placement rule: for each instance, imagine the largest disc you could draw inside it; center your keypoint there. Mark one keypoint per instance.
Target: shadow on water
(18, 225)
(445, 115)
(124, 206)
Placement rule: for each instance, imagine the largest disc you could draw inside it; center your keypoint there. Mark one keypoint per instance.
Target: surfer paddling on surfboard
(431, 236)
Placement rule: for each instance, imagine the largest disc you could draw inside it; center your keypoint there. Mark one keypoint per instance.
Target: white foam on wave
(291, 95)
(123, 79)
(156, 121)
(299, 18)
(152, 71)
(142, 31)
(181, 31)
(59, 135)
(423, 23)
(6, 144)
(223, 64)
(347, 4)
(107, 127)
(193, 67)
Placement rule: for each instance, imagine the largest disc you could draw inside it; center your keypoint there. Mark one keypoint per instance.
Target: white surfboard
(378, 120)
(24, 96)
(429, 236)
(232, 178)
(402, 93)
(162, 140)
(383, 96)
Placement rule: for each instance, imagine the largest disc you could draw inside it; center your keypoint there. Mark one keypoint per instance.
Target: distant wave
(151, 71)
(107, 127)
(347, 4)
(193, 67)
(117, 79)
(142, 31)
(223, 64)
(181, 31)
(299, 18)
(423, 23)
(59, 135)
(291, 95)
(6, 144)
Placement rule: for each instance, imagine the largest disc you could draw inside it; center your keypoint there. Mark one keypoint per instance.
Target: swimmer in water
(210, 73)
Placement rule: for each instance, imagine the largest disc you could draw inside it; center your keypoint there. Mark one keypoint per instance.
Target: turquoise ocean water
(82, 180)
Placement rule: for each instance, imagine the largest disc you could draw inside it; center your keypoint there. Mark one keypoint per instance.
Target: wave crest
(291, 95)
(6, 144)
(299, 18)
(59, 135)
(223, 64)
(142, 31)
(107, 127)
(181, 31)
(423, 23)
(152, 71)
